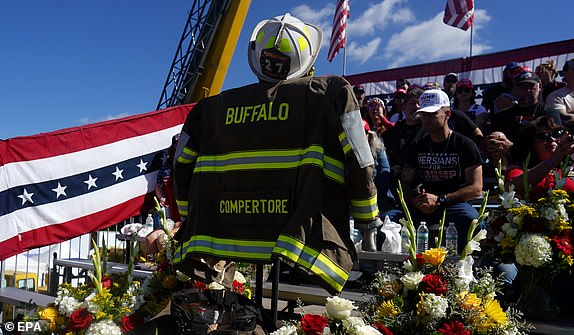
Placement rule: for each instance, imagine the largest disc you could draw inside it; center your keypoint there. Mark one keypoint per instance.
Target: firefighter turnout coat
(271, 170)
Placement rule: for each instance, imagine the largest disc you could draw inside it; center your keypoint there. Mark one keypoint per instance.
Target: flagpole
(345, 60)
(471, 30)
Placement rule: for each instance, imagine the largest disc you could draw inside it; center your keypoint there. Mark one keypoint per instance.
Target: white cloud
(417, 42)
(377, 17)
(323, 18)
(362, 53)
(433, 40)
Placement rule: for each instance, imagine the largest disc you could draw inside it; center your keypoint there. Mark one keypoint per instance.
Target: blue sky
(66, 63)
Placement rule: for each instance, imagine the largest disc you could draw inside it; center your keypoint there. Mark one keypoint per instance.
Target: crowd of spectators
(441, 143)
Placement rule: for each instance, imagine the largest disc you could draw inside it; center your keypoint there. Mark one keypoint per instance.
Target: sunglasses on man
(545, 136)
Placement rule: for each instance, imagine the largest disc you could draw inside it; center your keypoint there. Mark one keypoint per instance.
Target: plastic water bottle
(422, 237)
(149, 222)
(404, 241)
(451, 239)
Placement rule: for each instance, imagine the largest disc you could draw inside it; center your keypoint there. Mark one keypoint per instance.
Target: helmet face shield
(283, 47)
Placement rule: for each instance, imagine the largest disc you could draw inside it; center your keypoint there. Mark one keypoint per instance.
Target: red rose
(237, 287)
(79, 320)
(131, 322)
(384, 330)
(313, 324)
(201, 286)
(436, 284)
(453, 328)
(106, 281)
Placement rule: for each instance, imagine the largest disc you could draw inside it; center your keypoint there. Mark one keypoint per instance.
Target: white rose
(339, 308)
(412, 279)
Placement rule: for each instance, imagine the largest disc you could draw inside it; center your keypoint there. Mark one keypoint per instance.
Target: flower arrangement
(430, 296)
(338, 320)
(106, 305)
(158, 288)
(536, 234)
(115, 304)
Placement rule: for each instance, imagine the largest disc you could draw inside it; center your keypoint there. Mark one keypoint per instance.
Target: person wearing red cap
(378, 116)
(464, 101)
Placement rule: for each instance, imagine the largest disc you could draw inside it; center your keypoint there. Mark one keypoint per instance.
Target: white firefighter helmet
(283, 48)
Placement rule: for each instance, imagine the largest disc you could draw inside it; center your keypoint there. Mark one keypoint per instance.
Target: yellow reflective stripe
(190, 151)
(246, 249)
(312, 260)
(344, 142)
(182, 207)
(364, 202)
(187, 156)
(334, 162)
(365, 209)
(272, 159)
(262, 153)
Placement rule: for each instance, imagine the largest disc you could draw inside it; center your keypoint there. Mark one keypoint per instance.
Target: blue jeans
(382, 180)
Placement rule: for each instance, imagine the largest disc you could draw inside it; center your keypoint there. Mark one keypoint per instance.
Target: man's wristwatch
(441, 200)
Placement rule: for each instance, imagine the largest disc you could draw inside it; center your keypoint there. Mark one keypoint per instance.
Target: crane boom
(204, 52)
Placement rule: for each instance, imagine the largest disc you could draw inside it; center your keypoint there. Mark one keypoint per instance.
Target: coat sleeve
(185, 158)
(359, 163)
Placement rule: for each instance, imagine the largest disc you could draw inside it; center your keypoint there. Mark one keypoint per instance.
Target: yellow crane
(204, 51)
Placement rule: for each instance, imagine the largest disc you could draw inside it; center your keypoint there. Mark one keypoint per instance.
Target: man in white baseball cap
(445, 167)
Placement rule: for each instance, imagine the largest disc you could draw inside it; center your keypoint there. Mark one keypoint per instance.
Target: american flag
(459, 13)
(339, 33)
(55, 186)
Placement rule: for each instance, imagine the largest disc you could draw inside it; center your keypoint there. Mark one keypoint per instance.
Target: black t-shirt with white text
(440, 166)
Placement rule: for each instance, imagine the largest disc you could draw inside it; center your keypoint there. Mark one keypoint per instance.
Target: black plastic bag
(215, 312)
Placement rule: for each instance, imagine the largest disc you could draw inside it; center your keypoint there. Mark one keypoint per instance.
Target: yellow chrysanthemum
(387, 309)
(560, 194)
(569, 260)
(523, 211)
(469, 301)
(101, 315)
(421, 306)
(561, 224)
(434, 256)
(495, 312)
(51, 315)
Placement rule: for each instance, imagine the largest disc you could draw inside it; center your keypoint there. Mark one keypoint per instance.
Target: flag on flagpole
(59, 185)
(459, 13)
(339, 33)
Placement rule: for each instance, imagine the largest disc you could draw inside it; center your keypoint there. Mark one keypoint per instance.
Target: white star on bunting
(142, 165)
(118, 173)
(478, 91)
(26, 197)
(60, 190)
(91, 182)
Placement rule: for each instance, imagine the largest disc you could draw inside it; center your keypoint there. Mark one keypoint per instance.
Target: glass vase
(537, 300)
